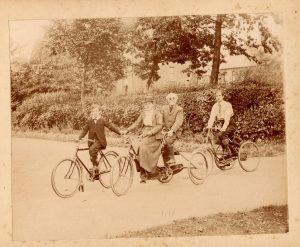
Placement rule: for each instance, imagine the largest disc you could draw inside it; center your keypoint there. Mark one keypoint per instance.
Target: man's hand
(170, 133)
(144, 135)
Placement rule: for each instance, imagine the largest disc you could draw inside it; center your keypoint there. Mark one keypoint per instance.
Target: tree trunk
(82, 93)
(217, 52)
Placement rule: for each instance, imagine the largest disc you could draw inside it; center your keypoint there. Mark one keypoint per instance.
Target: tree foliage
(200, 41)
(97, 45)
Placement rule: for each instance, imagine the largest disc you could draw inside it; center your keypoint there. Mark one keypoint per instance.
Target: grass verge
(264, 220)
(185, 144)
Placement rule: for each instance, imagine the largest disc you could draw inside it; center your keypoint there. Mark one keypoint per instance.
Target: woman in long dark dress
(150, 120)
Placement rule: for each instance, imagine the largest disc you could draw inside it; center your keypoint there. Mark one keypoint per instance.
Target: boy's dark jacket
(91, 127)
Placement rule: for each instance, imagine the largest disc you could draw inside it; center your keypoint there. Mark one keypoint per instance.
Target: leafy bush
(258, 110)
(49, 110)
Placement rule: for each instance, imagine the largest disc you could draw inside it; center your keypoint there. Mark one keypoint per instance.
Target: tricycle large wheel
(166, 174)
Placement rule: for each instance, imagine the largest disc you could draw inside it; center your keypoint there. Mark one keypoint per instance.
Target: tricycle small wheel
(166, 174)
(198, 167)
(121, 176)
(249, 156)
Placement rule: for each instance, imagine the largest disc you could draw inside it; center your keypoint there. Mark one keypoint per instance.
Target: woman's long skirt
(149, 152)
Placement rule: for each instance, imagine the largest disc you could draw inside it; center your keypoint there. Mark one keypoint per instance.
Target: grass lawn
(264, 220)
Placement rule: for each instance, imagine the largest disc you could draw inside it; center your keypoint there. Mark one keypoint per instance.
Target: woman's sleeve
(159, 124)
(136, 124)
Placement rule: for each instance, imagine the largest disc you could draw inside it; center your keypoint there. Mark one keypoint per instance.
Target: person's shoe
(224, 161)
(154, 172)
(143, 177)
(95, 172)
(234, 155)
(176, 168)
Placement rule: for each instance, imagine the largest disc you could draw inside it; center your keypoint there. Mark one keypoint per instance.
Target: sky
(25, 33)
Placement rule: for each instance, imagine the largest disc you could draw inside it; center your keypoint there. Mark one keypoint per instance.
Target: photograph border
(33, 9)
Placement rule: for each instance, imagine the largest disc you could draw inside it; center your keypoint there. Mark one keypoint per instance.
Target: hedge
(258, 110)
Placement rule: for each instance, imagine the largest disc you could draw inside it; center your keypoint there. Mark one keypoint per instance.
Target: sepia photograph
(149, 123)
(148, 127)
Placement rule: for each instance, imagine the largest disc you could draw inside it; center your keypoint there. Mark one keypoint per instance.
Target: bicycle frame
(133, 153)
(81, 163)
(212, 147)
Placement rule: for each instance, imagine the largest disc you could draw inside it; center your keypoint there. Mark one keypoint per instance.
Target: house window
(172, 76)
(233, 74)
(222, 77)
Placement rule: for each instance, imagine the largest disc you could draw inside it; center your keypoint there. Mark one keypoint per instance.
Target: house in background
(172, 75)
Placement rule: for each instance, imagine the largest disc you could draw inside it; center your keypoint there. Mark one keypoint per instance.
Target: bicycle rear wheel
(249, 156)
(105, 164)
(198, 167)
(65, 178)
(121, 176)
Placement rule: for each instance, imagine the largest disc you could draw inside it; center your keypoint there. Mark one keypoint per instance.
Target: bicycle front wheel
(121, 176)
(249, 156)
(105, 164)
(198, 167)
(65, 178)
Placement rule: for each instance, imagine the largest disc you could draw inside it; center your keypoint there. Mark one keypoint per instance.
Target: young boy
(95, 127)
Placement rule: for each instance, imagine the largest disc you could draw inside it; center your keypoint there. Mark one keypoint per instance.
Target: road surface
(39, 214)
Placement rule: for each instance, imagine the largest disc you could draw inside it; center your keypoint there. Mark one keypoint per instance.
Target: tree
(160, 40)
(238, 38)
(268, 72)
(202, 41)
(97, 45)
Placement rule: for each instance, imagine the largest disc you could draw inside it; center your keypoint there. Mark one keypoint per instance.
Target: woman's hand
(170, 133)
(124, 132)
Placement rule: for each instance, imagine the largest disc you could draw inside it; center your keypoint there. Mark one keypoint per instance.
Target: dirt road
(38, 214)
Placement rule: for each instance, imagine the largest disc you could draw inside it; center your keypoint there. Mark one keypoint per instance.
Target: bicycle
(67, 175)
(123, 170)
(248, 153)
